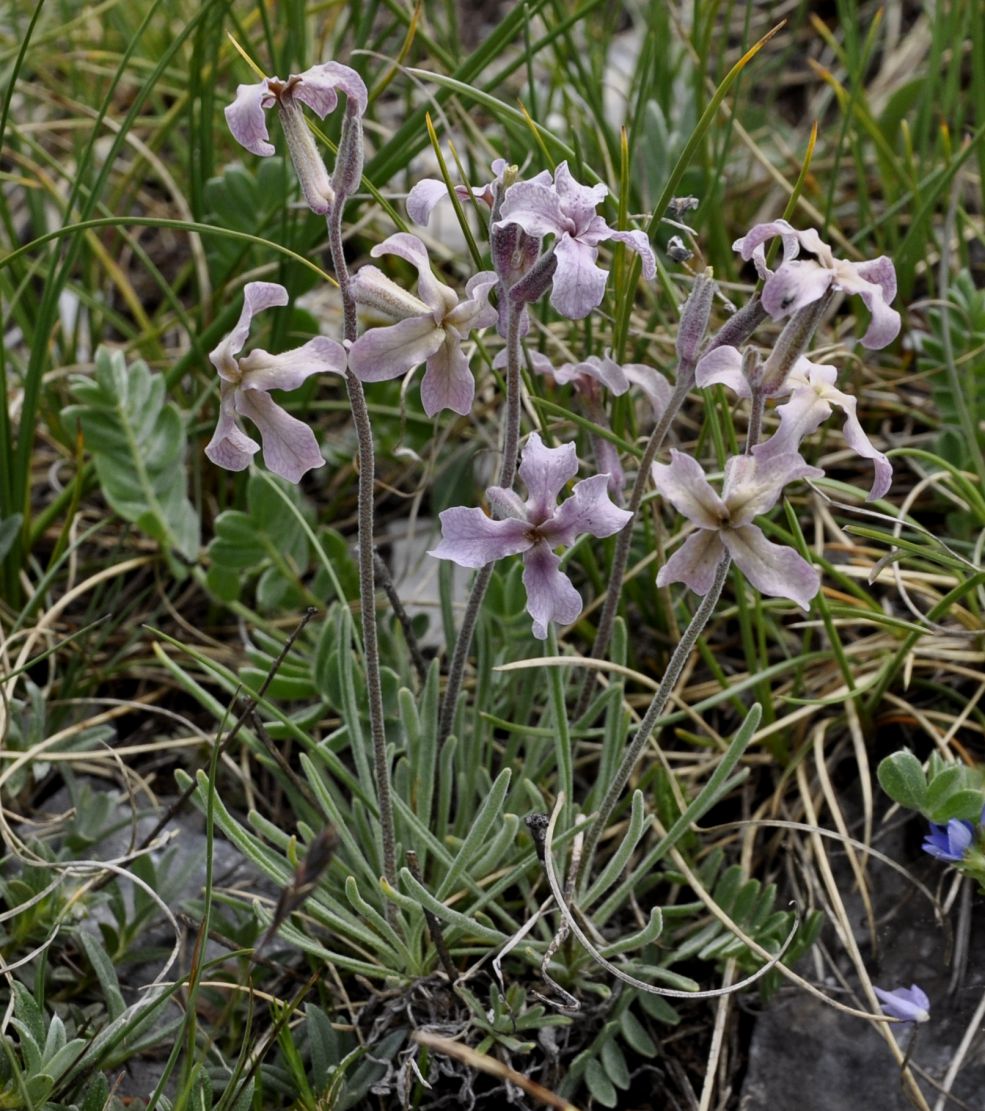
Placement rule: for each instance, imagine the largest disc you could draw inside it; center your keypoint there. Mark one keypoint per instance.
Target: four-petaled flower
(907, 1004)
(797, 282)
(812, 392)
(752, 486)
(430, 328)
(949, 842)
(289, 446)
(566, 210)
(318, 88)
(535, 527)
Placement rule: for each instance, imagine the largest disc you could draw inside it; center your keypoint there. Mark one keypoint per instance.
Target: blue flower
(950, 842)
(907, 1004)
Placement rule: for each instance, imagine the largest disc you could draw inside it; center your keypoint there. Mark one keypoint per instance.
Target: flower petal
(318, 88)
(695, 562)
(247, 118)
(772, 569)
(474, 310)
(551, 595)
(384, 353)
(289, 446)
(579, 284)
(471, 539)
(439, 297)
(875, 282)
(448, 382)
(796, 283)
(753, 483)
(652, 383)
(230, 447)
(536, 207)
(422, 199)
(682, 482)
(263, 371)
(256, 297)
(578, 202)
(752, 244)
(544, 471)
(589, 509)
(605, 370)
(908, 1004)
(638, 242)
(722, 367)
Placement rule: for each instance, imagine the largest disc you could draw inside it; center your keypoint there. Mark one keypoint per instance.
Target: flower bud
(308, 164)
(792, 342)
(694, 317)
(536, 282)
(349, 160)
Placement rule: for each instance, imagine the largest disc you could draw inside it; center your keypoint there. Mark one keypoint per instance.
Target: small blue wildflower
(949, 842)
(907, 1004)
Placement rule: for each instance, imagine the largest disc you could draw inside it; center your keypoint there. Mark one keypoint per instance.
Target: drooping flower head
(566, 210)
(535, 527)
(430, 327)
(812, 397)
(797, 282)
(289, 446)
(907, 1004)
(752, 486)
(318, 88)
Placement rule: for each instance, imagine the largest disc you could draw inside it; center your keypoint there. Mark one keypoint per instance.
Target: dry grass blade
(484, 1063)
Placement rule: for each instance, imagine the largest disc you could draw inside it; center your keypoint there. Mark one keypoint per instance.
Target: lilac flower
(317, 88)
(907, 1004)
(797, 282)
(289, 446)
(535, 527)
(566, 210)
(812, 391)
(949, 842)
(752, 486)
(430, 327)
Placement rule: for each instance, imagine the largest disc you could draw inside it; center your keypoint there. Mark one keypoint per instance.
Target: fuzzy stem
(736, 330)
(656, 709)
(367, 577)
(507, 476)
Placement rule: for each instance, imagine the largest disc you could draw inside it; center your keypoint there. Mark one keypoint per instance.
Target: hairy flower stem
(507, 476)
(367, 576)
(656, 709)
(736, 330)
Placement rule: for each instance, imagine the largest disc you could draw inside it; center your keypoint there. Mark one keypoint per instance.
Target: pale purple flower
(429, 191)
(566, 210)
(752, 486)
(949, 842)
(535, 527)
(594, 372)
(907, 1004)
(430, 327)
(797, 282)
(289, 446)
(812, 396)
(318, 88)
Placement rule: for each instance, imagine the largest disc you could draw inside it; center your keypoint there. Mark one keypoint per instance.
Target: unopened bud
(792, 342)
(308, 163)
(536, 282)
(349, 161)
(694, 318)
(678, 250)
